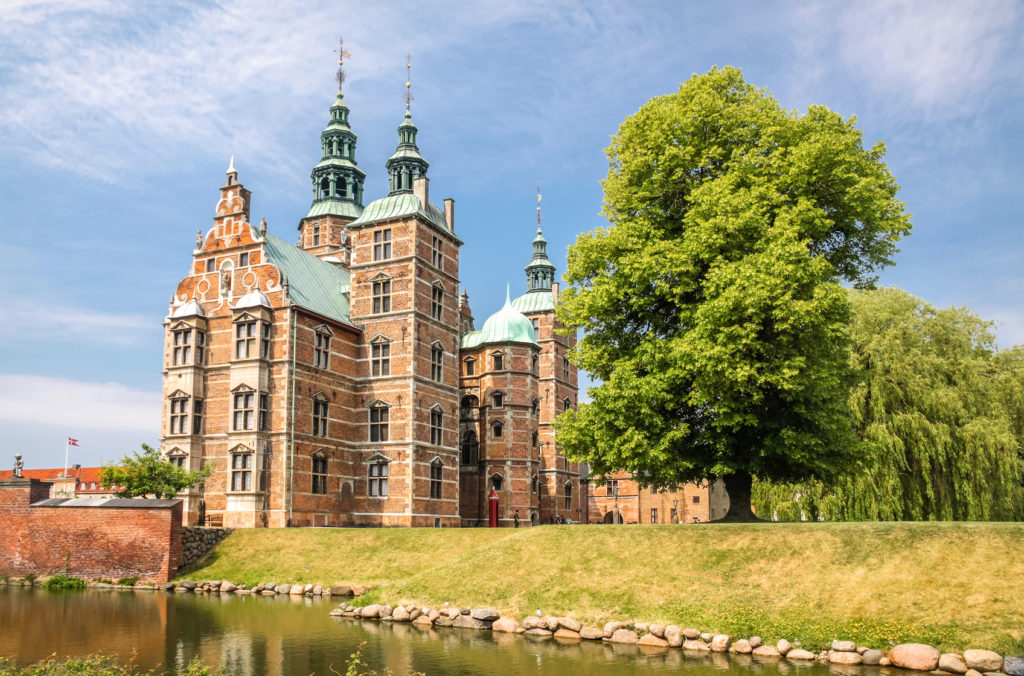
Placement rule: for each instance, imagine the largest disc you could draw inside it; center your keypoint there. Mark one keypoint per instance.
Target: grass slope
(953, 585)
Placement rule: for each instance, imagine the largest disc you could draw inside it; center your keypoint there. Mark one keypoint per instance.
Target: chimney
(554, 292)
(421, 188)
(449, 213)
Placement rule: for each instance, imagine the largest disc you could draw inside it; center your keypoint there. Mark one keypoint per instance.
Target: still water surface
(295, 636)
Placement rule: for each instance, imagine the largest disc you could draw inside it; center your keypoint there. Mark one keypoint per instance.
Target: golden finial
(408, 81)
(341, 62)
(538, 208)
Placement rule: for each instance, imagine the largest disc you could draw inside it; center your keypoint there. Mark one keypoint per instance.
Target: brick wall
(88, 538)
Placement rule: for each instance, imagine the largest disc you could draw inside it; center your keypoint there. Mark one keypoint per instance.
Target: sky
(117, 121)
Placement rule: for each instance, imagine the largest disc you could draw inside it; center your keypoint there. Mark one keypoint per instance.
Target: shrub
(128, 581)
(94, 665)
(64, 582)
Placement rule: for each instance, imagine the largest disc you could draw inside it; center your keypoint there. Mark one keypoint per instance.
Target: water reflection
(284, 635)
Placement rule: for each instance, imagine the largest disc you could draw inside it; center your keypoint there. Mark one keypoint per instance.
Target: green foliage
(149, 474)
(939, 412)
(128, 581)
(94, 665)
(64, 582)
(712, 307)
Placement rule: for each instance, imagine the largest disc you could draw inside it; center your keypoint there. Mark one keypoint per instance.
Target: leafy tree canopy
(149, 474)
(940, 413)
(712, 308)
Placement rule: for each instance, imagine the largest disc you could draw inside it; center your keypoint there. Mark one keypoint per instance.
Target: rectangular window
(241, 472)
(179, 416)
(499, 399)
(498, 362)
(316, 235)
(379, 423)
(265, 343)
(613, 487)
(436, 302)
(320, 474)
(436, 252)
(177, 460)
(319, 418)
(536, 324)
(382, 245)
(435, 480)
(470, 367)
(568, 496)
(436, 419)
(322, 351)
(565, 368)
(182, 347)
(197, 417)
(244, 410)
(264, 421)
(497, 430)
(436, 361)
(265, 472)
(382, 296)
(380, 359)
(378, 480)
(696, 499)
(243, 260)
(654, 515)
(211, 264)
(200, 346)
(245, 340)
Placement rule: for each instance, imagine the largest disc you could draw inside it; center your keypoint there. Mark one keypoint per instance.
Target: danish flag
(72, 442)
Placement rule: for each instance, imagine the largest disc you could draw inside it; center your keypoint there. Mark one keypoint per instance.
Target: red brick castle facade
(341, 381)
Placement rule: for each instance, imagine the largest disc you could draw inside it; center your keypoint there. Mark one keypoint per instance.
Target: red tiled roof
(84, 477)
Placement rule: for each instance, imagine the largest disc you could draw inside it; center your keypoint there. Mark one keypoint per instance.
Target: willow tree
(711, 307)
(939, 412)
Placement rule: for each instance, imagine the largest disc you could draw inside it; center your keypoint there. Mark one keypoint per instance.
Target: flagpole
(67, 448)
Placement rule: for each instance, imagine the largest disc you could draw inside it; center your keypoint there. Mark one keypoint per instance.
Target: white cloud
(75, 405)
(34, 320)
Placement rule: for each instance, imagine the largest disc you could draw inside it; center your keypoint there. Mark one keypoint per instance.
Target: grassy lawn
(953, 585)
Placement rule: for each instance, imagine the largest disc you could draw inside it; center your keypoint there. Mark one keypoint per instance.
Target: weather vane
(408, 81)
(538, 207)
(342, 54)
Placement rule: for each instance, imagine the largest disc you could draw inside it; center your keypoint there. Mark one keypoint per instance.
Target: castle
(342, 381)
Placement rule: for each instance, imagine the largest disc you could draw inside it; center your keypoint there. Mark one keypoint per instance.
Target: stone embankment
(196, 541)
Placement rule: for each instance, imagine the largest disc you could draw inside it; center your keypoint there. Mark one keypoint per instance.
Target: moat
(294, 635)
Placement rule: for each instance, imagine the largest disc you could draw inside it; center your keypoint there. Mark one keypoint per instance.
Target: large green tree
(711, 307)
(149, 474)
(940, 415)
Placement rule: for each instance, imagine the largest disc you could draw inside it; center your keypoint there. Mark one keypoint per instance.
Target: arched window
(377, 476)
(379, 421)
(566, 404)
(325, 187)
(436, 473)
(319, 473)
(341, 187)
(496, 481)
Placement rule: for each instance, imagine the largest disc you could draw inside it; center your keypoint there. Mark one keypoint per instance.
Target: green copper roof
(405, 152)
(507, 325)
(398, 206)
(334, 208)
(313, 284)
(338, 162)
(535, 301)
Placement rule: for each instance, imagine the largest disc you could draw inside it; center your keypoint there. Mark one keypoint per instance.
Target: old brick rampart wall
(89, 538)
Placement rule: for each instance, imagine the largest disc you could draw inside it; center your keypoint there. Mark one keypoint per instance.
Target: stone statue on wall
(18, 465)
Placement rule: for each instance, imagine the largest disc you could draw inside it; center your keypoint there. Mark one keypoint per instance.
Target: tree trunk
(738, 486)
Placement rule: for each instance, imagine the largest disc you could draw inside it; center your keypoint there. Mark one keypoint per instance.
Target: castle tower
(337, 186)
(558, 383)
(405, 282)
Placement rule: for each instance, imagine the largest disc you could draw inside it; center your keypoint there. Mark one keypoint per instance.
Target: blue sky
(117, 120)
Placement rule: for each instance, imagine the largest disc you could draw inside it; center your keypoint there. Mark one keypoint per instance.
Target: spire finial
(341, 63)
(408, 83)
(538, 207)
(231, 166)
(508, 293)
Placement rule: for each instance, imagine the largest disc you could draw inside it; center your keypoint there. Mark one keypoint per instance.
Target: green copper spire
(337, 180)
(407, 163)
(507, 325)
(540, 273)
